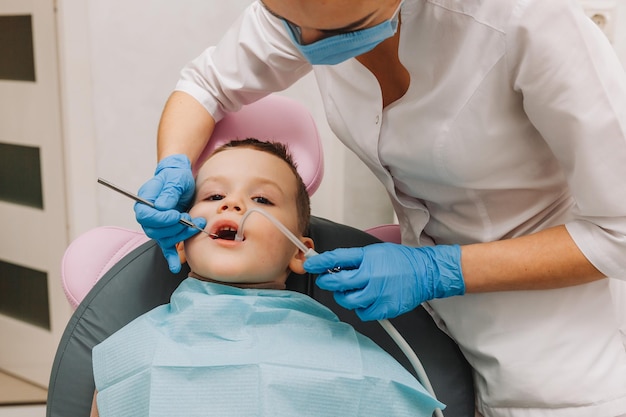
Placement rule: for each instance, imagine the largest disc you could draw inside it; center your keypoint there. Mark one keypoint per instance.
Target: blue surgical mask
(339, 48)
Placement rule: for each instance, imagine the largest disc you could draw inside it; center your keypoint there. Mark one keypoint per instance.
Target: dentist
(498, 128)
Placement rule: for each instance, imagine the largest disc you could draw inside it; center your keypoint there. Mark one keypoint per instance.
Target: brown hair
(281, 151)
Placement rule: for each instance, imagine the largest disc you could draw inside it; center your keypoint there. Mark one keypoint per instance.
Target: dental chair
(112, 275)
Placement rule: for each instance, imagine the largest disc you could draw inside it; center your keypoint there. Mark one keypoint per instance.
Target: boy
(241, 349)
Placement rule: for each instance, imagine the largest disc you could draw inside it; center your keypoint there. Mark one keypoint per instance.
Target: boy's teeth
(227, 233)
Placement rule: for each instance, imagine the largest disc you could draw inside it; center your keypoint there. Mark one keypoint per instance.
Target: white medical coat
(514, 121)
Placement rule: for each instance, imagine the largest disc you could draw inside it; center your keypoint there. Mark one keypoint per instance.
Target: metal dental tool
(147, 203)
(308, 252)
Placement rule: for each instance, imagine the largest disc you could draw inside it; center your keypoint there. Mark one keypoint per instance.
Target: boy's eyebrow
(348, 28)
(224, 179)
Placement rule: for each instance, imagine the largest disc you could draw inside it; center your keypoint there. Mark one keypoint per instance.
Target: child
(244, 348)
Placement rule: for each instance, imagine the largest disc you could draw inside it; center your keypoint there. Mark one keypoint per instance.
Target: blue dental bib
(224, 351)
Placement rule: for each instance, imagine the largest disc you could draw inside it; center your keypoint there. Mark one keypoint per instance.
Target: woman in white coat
(498, 128)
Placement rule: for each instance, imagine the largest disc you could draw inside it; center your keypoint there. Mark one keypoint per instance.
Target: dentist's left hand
(171, 190)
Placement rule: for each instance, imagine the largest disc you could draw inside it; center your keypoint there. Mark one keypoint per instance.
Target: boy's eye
(215, 197)
(262, 200)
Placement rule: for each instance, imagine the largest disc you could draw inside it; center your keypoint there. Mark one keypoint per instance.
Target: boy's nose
(226, 207)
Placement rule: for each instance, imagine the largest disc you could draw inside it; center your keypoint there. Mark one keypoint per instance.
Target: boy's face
(228, 184)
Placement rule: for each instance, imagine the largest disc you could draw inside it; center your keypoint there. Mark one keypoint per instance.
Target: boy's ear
(298, 260)
(180, 248)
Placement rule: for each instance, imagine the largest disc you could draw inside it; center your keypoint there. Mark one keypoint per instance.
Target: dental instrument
(147, 203)
(385, 324)
(308, 252)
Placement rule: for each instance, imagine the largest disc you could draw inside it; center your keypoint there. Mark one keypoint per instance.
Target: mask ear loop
(296, 31)
(385, 324)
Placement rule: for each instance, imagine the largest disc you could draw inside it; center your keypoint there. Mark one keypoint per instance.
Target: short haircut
(281, 151)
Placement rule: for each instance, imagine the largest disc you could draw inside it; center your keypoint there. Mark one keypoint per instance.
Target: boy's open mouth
(225, 232)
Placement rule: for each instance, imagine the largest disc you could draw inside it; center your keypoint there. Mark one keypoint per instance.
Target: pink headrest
(91, 255)
(278, 119)
(386, 232)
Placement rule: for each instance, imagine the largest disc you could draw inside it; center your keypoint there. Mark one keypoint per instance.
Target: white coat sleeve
(254, 58)
(574, 92)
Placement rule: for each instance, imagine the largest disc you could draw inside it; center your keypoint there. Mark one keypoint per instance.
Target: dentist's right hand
(384, 280)
(171, 191)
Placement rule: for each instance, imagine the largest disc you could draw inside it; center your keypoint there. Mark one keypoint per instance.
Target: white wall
(121, 59)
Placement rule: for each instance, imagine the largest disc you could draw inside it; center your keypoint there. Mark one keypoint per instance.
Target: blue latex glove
(385, 280)
(171, 190)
